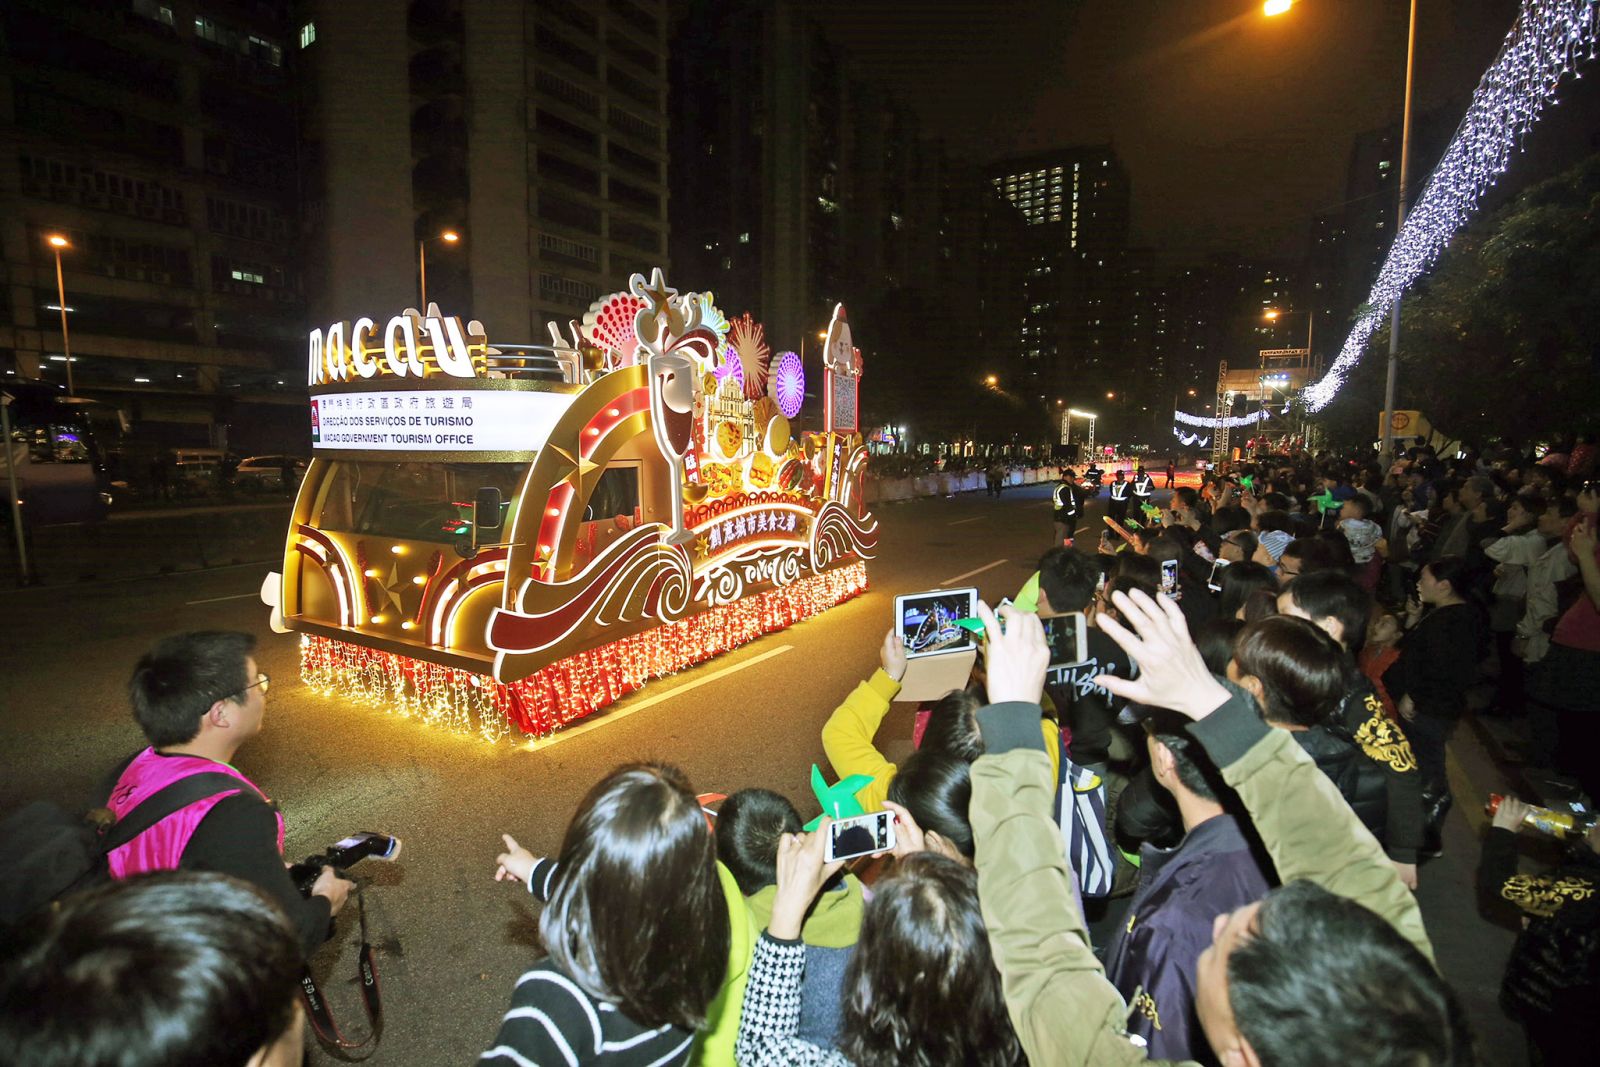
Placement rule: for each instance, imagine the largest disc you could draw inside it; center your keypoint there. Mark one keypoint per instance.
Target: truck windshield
(413, 501)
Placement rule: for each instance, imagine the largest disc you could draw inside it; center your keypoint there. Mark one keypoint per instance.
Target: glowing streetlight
(991, 381)
(449, 237)
(1191, 392)
(1279, 7)
(1111, 396)
(1272, 315)
(57, 243)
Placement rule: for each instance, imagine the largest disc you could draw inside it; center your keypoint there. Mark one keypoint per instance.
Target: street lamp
(57, 243)
(991, 381)
(449, 237)
(1279, 7)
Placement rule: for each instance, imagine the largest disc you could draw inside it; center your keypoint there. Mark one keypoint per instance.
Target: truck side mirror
(486, 507)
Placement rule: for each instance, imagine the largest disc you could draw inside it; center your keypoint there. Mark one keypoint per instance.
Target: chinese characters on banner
(434, 420)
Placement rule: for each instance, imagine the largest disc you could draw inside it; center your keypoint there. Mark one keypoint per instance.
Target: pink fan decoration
(730, 368)
(789, 384)
(749, 340)
(610, 325)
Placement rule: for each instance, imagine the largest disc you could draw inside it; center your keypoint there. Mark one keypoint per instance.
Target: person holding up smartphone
(923, 919)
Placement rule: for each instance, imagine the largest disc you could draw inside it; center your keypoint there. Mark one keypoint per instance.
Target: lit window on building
(308, 34)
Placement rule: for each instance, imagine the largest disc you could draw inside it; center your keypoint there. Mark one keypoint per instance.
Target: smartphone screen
(928, 622)
(1068, 638)
(861, 835)
(1169, 577)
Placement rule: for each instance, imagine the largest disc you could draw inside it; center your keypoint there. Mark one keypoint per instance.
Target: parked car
(196, 469)
(266, 472)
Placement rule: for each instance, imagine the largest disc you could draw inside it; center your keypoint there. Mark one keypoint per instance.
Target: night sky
(1236, 128)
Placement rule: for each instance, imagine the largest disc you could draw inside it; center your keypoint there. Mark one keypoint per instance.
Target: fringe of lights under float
(538, 705)
(507, 538)
(1547, 41)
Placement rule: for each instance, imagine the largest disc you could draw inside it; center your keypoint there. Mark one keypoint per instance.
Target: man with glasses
(199, 697)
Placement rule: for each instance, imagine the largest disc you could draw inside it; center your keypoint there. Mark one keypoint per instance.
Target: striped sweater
(552, 1022)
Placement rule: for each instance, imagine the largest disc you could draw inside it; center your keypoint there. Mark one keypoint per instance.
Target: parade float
(506, 538)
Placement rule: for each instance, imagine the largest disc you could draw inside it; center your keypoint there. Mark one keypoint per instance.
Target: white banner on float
(437, 420)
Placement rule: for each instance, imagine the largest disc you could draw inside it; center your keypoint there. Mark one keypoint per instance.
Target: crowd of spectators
(1199, 845)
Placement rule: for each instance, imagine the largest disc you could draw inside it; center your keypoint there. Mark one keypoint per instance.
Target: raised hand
(1171, 672)
(908, 836)
(801, 875)
(1016, 656)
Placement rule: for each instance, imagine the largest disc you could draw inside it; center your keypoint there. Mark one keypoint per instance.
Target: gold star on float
(576, 471)
(392, 586)
(656, 293)
(702, 548)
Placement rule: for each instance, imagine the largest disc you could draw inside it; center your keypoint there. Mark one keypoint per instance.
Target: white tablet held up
(929, 623)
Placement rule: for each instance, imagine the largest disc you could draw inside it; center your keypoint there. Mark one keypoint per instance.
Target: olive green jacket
(1065, 1011)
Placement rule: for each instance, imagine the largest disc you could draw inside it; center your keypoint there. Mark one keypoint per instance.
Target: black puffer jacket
(1360, 780)
(1552, 980)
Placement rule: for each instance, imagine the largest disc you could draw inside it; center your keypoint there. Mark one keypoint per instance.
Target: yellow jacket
(848, 733)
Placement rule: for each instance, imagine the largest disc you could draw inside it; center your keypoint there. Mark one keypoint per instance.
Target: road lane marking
(219, 599)
(606, 718)
(975, 518)
(969, 574)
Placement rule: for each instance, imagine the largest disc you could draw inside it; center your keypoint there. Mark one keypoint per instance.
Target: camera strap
(317, 1009)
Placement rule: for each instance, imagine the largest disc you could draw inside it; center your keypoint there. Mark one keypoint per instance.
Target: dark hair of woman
(1214, 638)
(921, 989)
(953, 726)
(936, 788)
(1238, 581)
(1262, 604)
(637, 915)
(1300, 668)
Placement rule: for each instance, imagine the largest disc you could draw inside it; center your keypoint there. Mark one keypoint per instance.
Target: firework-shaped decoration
(789, 384)
(609, 325)
(749, 341)
(711, 316)
(730, 368)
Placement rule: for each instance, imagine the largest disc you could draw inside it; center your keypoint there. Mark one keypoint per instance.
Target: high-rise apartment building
(766, 163)
(800, 183)
(157, 139)
(534, 130)
(229, 174)
(1076, 203)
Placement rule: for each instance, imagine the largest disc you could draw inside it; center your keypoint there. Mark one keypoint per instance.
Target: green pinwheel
(838, 800)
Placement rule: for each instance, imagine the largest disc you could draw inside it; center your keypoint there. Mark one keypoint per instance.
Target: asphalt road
(451, 940)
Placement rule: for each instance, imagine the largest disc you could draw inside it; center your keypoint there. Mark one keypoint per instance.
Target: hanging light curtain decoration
(1547, 40)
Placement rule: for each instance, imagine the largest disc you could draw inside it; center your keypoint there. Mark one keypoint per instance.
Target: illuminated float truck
(497, 537)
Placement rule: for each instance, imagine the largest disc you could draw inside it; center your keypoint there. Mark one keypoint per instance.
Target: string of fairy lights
(1546, 43)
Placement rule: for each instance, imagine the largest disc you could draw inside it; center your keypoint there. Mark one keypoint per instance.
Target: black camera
(343, 855)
